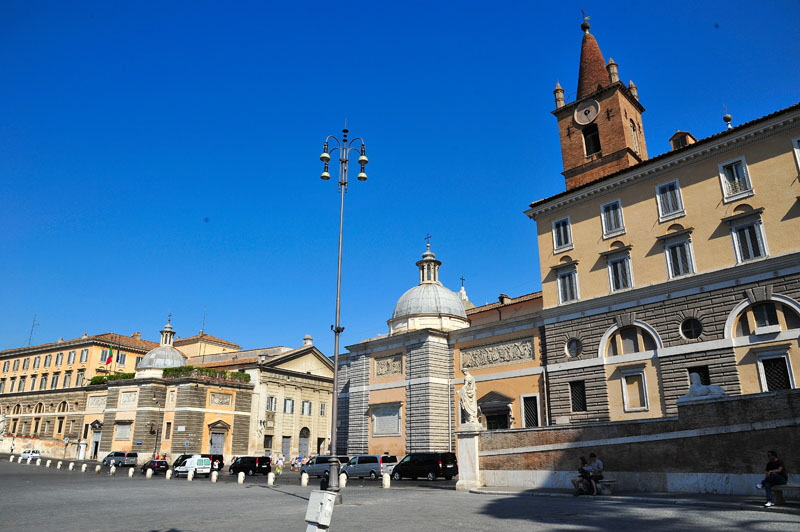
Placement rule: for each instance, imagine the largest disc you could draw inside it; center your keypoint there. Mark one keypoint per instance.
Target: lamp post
(344, 147)
(153, 429)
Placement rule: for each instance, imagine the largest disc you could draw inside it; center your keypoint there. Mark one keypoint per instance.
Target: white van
(199, 464)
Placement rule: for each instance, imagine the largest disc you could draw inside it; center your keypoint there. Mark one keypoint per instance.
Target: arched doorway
(305, 434)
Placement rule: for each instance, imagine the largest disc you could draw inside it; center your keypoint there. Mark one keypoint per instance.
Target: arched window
(63, 406)
(591, 140)
(17, 409)
(38, 409)
(630, 339)
(635, 137)
(766, 317)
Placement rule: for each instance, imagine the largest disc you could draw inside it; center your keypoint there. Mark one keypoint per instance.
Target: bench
(604, 486)
(779, 491)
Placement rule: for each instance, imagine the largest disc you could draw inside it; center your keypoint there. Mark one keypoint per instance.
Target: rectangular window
(21, 384)
(272, 404)
(26, 363)
(748, 241)
(16, 365)
(2, 386)
(634, 390)
(306, 408)
(60, 425)
(67, 380)
(591, 140)
(33, 382)
(122, 432)
(11, 384)
(735, 179)
(619, 273)
(138, 361)
(54, 382)
(705, 376)
(567, 286)
(5, 366)
(59, 359)
(121, 357)
(530, 411)
(84, 355)
(71, 357)
(775, 371)
(168, 430)
(613, 224)
(577, 393)
(679, 259)
(79, 379)
(562, 235)
(267, 441)
(288, 406)
(85, 431)
(36, 362)
(670, 204)
(47, 360)
(43, 382)
(322, 407)
(796, 146)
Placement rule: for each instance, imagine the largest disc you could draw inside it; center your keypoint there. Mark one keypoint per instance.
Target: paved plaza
(36, 498)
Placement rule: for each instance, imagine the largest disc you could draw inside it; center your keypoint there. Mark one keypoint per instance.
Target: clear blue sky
(162, 157)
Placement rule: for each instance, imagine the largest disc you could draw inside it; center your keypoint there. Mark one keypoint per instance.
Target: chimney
(307, 340)
(504, 299)
(136, 336)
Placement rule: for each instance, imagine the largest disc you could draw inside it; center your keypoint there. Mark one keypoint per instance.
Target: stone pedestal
(469, 471)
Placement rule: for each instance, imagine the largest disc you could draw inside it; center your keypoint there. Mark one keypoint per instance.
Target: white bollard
(214, 475)
(11, 459)
(168, 474)
(190, 476)
(130, 472)
(38, 462)
(342, 480)
(71, 466)
(97, 469)
(83, 468)
(58, 465)
(29, 460)
(48, 463)
(270, 479)
(304, 479)
(387, 480)
(112, 471)
(240, 479)
(149, 473)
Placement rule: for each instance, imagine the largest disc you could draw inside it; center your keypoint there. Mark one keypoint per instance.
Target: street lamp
(153, 429)
(344, 147)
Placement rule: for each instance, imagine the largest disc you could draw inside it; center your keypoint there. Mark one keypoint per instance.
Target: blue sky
(161, 157)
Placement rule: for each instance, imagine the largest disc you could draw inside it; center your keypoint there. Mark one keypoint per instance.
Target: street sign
(138, 443)
(66, 440)
(186, 444)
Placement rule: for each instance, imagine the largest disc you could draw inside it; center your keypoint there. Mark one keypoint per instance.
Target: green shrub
(211, 373)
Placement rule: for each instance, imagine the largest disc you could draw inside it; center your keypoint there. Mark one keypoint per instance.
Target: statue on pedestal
(469, 399)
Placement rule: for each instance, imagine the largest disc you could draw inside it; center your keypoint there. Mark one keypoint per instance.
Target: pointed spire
(634, 89)
(592, 74)
(613, 70)
(559, 94)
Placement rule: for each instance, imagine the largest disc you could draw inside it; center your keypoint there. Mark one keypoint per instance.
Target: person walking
(776, 475)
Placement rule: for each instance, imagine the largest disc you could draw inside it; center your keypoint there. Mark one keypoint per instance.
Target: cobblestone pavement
(36, 498)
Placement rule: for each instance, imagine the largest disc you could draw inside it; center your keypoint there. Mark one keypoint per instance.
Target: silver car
(370, 465)
(318, 466)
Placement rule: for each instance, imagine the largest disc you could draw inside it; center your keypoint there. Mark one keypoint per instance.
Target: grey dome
(163, 356)
(429, 298)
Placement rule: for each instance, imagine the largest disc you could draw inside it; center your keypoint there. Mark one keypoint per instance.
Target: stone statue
(698, 391)
(469, 399)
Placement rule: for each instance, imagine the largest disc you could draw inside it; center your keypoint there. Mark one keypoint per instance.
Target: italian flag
(110, 355)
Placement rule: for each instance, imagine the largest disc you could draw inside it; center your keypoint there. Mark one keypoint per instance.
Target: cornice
(692, 154)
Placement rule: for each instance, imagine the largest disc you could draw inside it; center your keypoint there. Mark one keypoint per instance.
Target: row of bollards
(386, 481)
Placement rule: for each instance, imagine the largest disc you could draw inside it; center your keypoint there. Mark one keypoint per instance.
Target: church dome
(163, 356)
(429, 298)
(429, 305)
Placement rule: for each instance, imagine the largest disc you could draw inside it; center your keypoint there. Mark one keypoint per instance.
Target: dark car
(158, 466)
(251, 465)
(426, 465)
(213, 458)
(179, 460)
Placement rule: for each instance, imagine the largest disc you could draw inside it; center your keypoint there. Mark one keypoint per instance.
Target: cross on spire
(428, 238)
(169, 317)
(462, 281)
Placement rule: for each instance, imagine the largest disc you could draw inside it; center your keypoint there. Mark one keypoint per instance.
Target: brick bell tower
(601, 131)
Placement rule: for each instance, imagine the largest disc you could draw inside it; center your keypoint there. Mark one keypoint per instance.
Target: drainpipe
(546, 382)
(450, 415)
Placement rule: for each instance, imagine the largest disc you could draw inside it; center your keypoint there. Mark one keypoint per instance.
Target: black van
(426, 465)
(251, 465)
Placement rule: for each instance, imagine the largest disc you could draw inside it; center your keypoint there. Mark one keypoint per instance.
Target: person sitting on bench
(776, 475)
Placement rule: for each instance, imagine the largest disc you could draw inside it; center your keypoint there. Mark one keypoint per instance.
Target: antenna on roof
(34, 324)
(203, 326)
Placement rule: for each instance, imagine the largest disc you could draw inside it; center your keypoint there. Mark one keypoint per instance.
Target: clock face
(586, 112)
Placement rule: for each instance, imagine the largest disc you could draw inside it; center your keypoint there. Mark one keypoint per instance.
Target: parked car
(426, 465)
(33, 454)
(120, 458)
(214, 457)
(251, 465)
(197, 463)
(158, 466)
(370, 465)
(318, 466)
